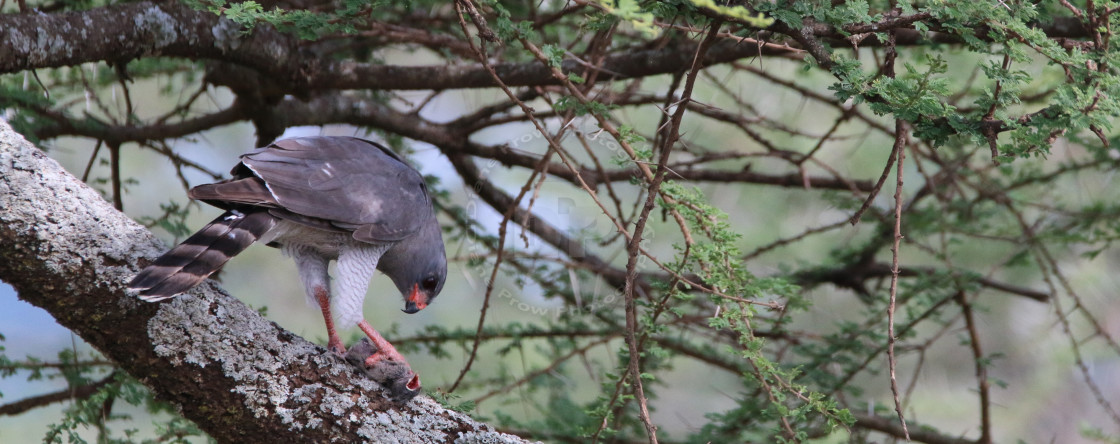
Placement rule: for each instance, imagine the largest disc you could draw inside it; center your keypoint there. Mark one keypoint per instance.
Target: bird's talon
(337, 347)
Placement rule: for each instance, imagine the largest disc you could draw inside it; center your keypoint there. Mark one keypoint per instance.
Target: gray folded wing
(342, 183)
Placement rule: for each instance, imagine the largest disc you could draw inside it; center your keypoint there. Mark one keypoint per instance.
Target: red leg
(334, 343)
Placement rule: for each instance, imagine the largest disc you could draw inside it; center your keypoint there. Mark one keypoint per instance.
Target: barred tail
(192, 261)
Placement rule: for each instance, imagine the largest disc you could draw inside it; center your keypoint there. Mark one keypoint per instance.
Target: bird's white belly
(355, 266)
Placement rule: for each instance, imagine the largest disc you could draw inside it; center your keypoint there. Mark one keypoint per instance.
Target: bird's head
(422, 291)
(418, 267)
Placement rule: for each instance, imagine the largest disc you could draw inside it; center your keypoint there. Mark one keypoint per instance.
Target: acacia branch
(356, 110)
(66, 394)
(855, 276)
(891, 427)
(126, 31)
(151, 29)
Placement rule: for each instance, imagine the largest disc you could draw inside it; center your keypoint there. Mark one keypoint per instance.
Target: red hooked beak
(415, 301)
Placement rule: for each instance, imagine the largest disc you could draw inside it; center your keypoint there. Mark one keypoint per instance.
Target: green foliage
(554, 54)
(453, 402)
(173, 219)
(568, 103)
(1098, 435)
(308, 25)
(97, 412)
(738, 12)
(632, 12)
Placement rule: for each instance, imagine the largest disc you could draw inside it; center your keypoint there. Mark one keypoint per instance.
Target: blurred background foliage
(758, 304)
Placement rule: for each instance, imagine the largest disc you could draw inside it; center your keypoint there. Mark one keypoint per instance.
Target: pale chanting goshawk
(319, 199)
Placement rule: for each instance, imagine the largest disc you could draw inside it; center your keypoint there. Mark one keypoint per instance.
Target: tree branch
(81, 392)
(146, 29)
(354, 110)
(891, 427)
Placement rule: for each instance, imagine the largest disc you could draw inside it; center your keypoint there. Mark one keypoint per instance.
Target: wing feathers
(248, 191)
(351, 183)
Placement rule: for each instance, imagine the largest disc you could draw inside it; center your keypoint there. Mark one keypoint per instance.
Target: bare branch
(66, 394)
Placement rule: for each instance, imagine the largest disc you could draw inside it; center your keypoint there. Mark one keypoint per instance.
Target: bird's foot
(394, 374)
(385, 350)
(335, 345)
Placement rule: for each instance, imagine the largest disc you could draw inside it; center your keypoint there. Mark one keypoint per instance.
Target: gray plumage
(318, 199)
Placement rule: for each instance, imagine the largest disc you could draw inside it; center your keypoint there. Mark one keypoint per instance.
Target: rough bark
(126, 31)
(240, 377)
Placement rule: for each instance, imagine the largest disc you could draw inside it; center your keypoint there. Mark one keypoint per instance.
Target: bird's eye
(430, 283)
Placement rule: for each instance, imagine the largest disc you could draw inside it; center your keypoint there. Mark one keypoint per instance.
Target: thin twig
(69, 393)
(548, 369)
(878, 186)
(480, 51)
(115, 175)
(900, 150)
(92, 160)
(539, 168)
(1050, 270)
(982, 385)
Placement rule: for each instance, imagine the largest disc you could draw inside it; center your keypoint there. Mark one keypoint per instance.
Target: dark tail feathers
(192, 261)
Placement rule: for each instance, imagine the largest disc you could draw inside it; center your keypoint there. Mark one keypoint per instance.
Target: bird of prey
(319, 199)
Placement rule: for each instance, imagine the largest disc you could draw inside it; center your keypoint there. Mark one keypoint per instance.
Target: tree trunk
(240, 377)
